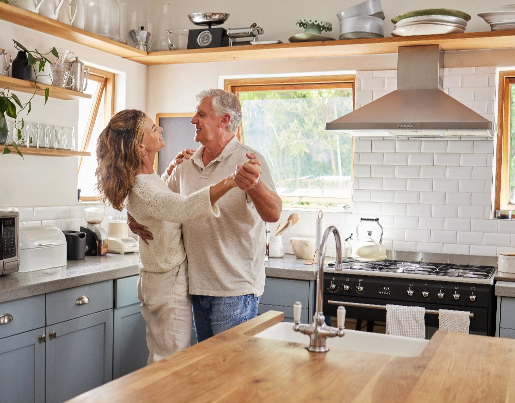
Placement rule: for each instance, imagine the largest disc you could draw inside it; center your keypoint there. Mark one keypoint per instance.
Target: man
(225, 254)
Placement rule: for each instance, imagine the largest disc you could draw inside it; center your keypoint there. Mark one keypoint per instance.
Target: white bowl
(365, 8)
(503, 26)
(303, 247)
(446, 19)
(497, 16)
(426, 29)
(362, 24)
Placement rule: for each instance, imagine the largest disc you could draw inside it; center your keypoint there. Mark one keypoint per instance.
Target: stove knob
(346, 287)
(456, 296)
(332, 286)
(410, 292)
(472, 298)
(440, 294)
(360, 289)
(425, 294)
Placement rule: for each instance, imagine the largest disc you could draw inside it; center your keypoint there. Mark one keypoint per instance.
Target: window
(284, 120)
(94, 115)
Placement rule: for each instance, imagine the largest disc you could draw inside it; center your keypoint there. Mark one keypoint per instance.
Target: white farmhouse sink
(353, 340)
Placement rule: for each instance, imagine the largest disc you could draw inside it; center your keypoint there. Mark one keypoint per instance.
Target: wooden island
(236, 367)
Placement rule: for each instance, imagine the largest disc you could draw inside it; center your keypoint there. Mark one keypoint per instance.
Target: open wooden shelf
(48, 152)
(15, 84)
(464, 41)
(53, 27)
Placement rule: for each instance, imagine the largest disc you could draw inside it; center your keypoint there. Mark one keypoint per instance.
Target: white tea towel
(407, 321)
(454, 321)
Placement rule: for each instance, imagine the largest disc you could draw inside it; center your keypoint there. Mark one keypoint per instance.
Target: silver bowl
(208, 18)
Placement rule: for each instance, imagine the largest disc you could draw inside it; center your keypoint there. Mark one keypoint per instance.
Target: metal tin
(80, 74)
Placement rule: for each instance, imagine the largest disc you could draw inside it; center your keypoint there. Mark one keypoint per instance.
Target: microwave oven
(9, 247)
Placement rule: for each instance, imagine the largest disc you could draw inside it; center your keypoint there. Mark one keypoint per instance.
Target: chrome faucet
(318, 331)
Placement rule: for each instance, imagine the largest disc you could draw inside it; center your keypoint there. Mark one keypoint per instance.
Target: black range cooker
(433, 286)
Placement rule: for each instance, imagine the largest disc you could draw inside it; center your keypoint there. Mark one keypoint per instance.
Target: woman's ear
(142, 149)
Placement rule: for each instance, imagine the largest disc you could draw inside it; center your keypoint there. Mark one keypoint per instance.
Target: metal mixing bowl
(208, 18)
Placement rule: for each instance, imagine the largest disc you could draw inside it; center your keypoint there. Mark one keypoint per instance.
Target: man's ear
(225, 120)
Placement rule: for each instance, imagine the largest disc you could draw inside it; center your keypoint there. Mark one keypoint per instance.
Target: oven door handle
(356, 305)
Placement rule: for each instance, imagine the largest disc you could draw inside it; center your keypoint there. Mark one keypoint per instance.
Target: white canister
(276, 246)
(506, 262)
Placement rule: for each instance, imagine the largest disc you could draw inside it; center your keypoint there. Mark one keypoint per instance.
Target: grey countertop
(505, 289)
(95, 269)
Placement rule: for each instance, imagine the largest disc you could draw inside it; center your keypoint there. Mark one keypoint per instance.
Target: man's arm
(268, 204)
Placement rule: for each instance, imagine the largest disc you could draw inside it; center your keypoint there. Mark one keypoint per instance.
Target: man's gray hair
(224, 102)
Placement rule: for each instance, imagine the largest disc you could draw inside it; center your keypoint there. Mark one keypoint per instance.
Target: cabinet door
(130, 344)
(22, 368)
(79, 355)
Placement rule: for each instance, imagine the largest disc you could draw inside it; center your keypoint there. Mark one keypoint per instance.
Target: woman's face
(152, 136)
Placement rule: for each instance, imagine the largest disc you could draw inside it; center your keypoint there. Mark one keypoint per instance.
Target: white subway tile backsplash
(405, 222)
(470, 238)
(482, 173)
(403, 196)
(368, 209)
(370, 183)
(369, 158)
(76, 211)
(460, 147)
(434, 146)
(362, 171)
(376, 94)
(364, 73)
(477, 106)
(430, 247)
(432, 197)
(433, 172)
(360, 195)
(457, 224)
(484, 94)
(395, 159)
(486, 70)
(374, 83)
(394, 209)
(477, 250)
(24, 213)
(382, 171)
(407, 172)
(29, 223)
(477, 225)
(421, 159)
(497, 239)
(390, 83)
(430, 223)
(472, 185)
(481, 199)
(483, 146)
(418, 210)
(420, 184)
(43, 213)
(462, 93)
(54, 223)
(405, 246)
(458, 199)
(363, 98)
(506, 226)
(385, 73)
(446, 185)
(362, 146)
(383, 146)
(460, 70)
(70, 224)
(474, 160)
(474, 80)
(394, 234)
(471, 212)
(445, 211)
(395, 184)
(408, 146)
(447, 159)
(383, 196)
(456, 249)
(451, 81)
(61, 212)
(459, 172)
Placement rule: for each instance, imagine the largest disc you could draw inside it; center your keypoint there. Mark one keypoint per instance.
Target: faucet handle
(341, 317)
(297, 311)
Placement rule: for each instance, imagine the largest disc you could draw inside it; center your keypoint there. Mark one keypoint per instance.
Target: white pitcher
(66, 15)
(4, 65)
(50, 8)
(80, 17)
(29, 5)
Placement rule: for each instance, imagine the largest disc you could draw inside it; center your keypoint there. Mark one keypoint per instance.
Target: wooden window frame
(502, 152)
(107, 87)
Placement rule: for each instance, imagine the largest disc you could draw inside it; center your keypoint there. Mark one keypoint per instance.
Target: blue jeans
(213, 315)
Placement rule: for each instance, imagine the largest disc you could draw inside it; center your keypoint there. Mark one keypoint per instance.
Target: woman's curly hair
(118, 156)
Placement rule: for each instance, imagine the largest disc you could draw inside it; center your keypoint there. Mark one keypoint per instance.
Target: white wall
(52, 181)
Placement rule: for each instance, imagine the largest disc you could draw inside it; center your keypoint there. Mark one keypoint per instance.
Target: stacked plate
(503, 19)
(364, 20)
(430, 22)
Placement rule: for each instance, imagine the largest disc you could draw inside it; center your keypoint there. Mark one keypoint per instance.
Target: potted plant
(10, 104)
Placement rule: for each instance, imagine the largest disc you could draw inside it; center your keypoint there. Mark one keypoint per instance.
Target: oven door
(481, 323)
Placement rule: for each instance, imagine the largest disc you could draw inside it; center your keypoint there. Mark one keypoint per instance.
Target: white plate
(426, 29)
(263, 42)
(463, 27)
(432, 18)
(497, 16)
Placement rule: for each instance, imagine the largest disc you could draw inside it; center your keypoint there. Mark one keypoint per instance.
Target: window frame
(294, 83)
(502, 152)
(106, 91)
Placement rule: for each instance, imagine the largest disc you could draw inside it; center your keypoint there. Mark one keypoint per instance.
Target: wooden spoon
(282, 227)
(294, 218)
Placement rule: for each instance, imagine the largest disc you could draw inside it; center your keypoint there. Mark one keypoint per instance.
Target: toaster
(9, 248)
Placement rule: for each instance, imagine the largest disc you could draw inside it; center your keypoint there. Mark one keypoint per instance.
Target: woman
(125, 152)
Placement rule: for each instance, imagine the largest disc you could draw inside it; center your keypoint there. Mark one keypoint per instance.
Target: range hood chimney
(418, 108)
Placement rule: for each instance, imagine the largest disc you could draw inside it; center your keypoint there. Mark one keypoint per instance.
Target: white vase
(276, 246)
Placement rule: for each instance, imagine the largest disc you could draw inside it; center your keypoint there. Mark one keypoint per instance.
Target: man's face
(207, 124)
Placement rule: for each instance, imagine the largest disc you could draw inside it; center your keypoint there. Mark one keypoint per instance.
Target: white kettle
(368, 246)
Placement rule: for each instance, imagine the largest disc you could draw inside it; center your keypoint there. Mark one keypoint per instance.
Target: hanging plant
(10, 104)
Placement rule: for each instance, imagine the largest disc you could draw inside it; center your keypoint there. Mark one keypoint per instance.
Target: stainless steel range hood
(418, 108)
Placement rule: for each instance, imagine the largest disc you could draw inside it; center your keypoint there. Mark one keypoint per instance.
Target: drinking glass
(68, 138)
(61, 77)
(57, 137)
(10, 131)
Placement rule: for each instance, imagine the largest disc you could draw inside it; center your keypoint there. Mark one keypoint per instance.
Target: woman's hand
(139, 229)
(186, 154)
(247, 175)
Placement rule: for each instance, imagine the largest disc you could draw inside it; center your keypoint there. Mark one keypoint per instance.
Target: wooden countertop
(235, 367)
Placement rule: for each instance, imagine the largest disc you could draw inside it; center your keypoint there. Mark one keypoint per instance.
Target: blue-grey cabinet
(505, 317)
(280, 295)
(130, 350)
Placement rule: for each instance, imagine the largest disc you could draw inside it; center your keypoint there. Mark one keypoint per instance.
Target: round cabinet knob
(332, 286)
(472, 298)
(346, 287)
(456, 296)
(440, 294)
(410, 292)
(360, 289)
(425, 294)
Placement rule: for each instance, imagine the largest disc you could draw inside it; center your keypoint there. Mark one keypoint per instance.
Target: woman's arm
(219, 189)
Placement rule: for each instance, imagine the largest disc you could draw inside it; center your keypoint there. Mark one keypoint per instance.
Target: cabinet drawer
(288, 312)
(64, 305)
(283, 292)
(507, 313)
(27, 314)
(508, 333)
(126, 291)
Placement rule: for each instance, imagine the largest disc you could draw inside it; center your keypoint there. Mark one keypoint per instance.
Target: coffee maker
(96, 236)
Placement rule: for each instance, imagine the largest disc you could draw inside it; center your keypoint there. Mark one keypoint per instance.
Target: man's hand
(185, 154)
(247, 175)
(139, 229)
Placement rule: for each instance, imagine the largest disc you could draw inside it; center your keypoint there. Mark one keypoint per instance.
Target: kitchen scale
(119, 239)
(210, 37)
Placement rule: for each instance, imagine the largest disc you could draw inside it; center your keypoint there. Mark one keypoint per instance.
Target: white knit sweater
(154, 205)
